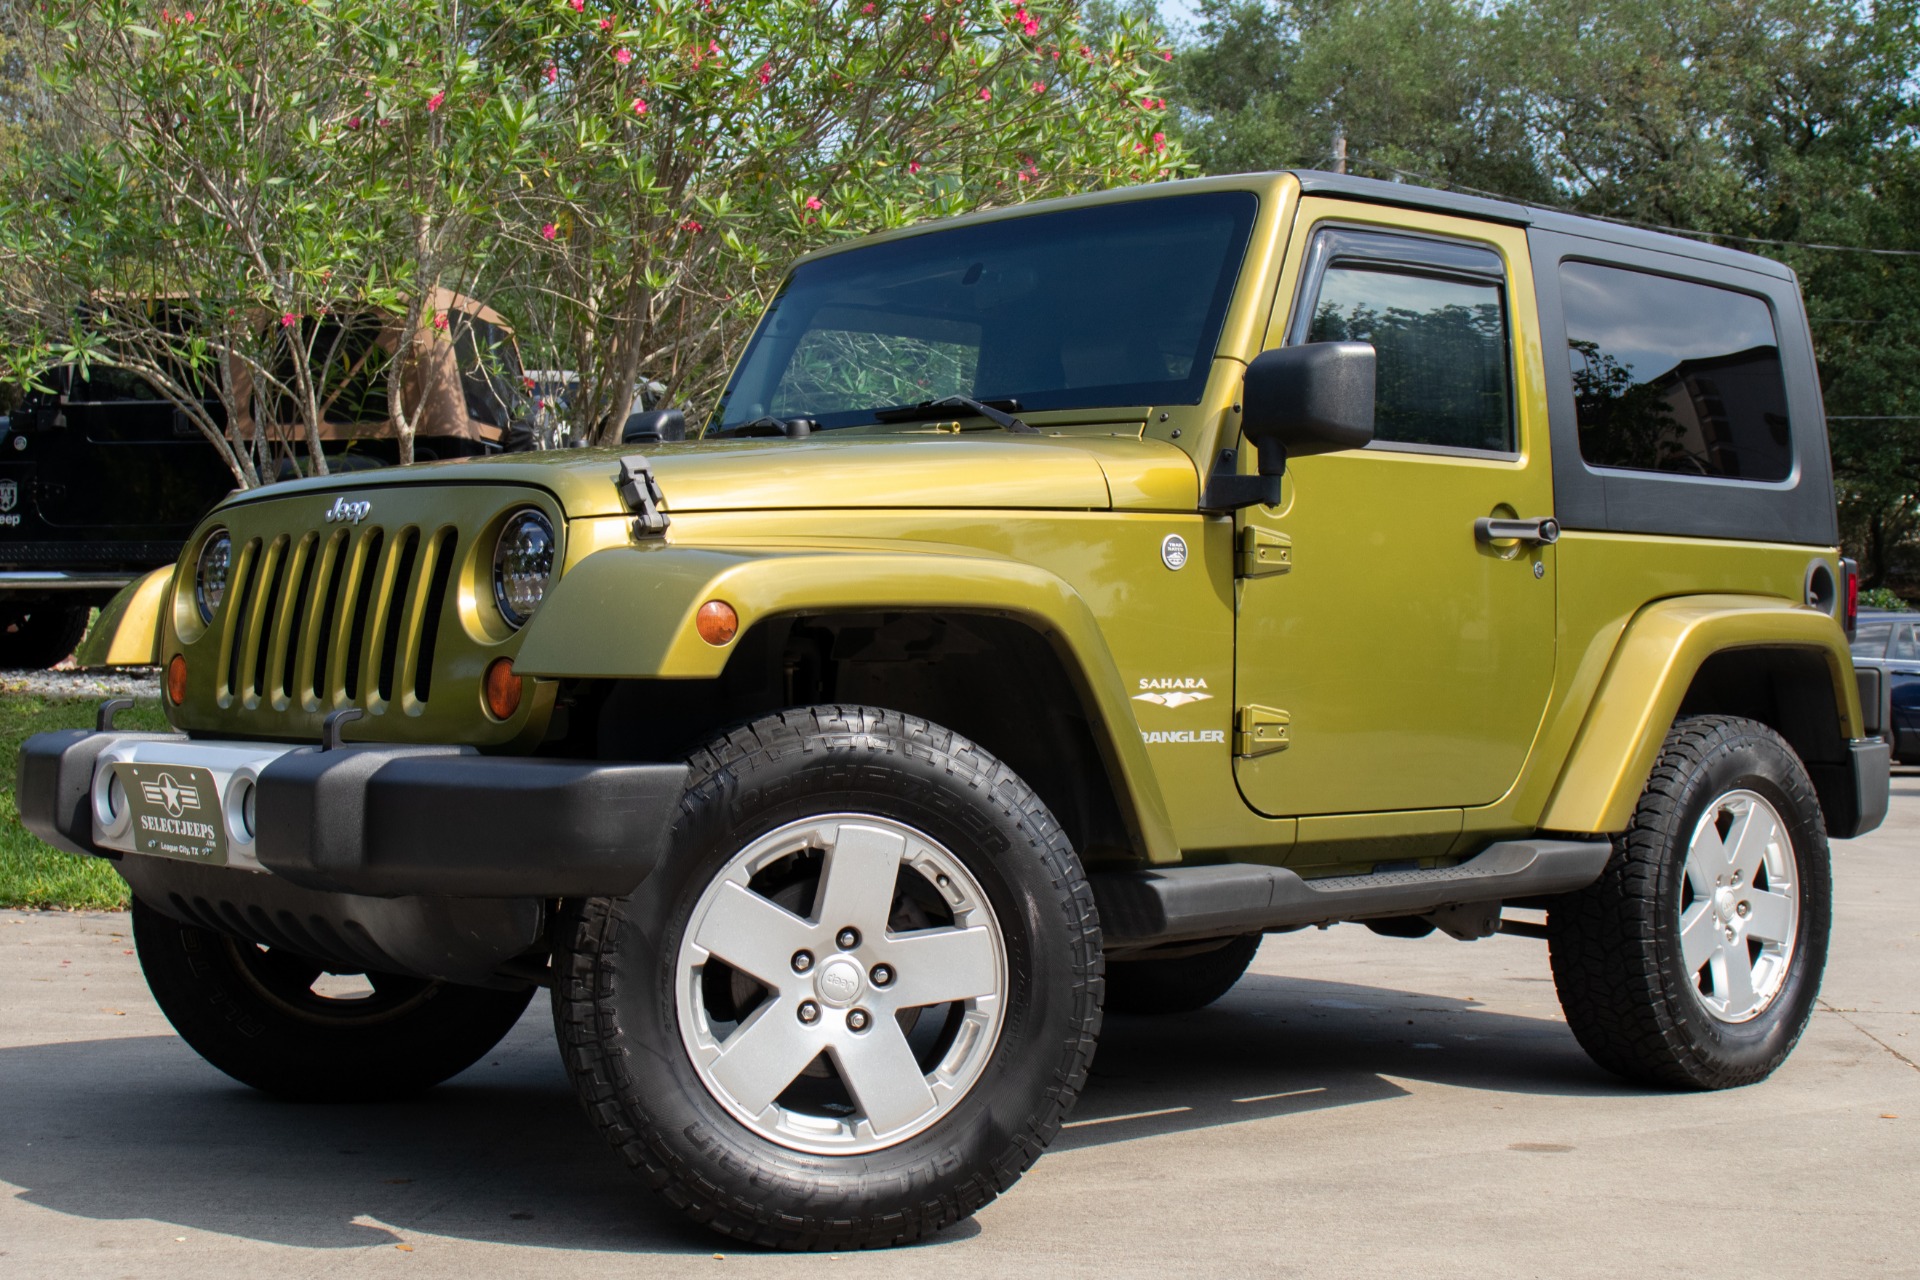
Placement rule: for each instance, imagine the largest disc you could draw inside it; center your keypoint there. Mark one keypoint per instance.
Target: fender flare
(127, 632)
(628, 613)
(1653, 666)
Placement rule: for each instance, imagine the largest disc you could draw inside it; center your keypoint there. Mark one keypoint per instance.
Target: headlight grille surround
(210, 573)
(522, 565)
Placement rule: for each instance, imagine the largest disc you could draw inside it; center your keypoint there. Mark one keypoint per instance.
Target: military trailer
(1060, 600)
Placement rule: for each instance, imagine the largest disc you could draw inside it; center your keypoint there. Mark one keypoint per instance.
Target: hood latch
(641, 492)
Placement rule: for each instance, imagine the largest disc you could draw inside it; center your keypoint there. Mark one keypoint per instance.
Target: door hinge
(1260, 731)
(1263, 552)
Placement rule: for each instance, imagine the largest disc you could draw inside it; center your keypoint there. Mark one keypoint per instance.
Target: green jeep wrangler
(1060, 599)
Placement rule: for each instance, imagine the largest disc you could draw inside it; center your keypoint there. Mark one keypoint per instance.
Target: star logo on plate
(170, 795)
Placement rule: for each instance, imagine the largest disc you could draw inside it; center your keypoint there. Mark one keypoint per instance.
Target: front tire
(39, 635)
(1695, 960)
(857, 998)
(255, 1013)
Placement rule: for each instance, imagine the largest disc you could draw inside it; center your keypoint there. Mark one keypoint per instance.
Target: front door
(1402, 659)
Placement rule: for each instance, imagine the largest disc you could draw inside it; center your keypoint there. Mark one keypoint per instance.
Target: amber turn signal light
(503, 689)
(716, 622)
(177, 679)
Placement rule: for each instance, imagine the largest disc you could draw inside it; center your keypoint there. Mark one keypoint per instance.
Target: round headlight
(522, 565)
(210, 575)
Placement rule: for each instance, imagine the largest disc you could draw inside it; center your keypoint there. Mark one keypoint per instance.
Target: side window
(1444, 372)
(104, 384)
(1671, 375)
(1870, 639)
(1904, 647)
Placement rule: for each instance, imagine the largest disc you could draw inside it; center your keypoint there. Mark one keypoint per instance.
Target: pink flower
(1038, 87)
(691, 225)
(913, 166)
(553, 73)
(766, 73)
(623, 56)
(1166, 55)
(549, 231)
(1146, 104)
(639, 106)
(579, 6)
(713, 47)
(985, 93)
(926, 17)
(606, 24)
(813, 202)
(440, 320)
(433, 103)
(867, 8)
(288, 320)
(354, 123)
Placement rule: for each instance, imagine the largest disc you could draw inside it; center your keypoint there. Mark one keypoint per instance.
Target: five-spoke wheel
(857, 996)
(1695, 959)
(888, 981)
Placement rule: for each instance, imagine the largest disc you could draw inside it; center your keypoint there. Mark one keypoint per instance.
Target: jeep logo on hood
(344, 512)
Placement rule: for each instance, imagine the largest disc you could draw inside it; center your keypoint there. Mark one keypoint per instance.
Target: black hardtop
(1407, 196)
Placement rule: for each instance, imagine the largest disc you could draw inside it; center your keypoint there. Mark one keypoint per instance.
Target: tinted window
(1442, 374)
(349, 364)
(103, 383)
(1904, 649)
(1674, 376)
(489, 362)
(1870, 639)
(1111, 305)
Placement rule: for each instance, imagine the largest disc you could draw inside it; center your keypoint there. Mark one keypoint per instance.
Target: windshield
(1111, 305)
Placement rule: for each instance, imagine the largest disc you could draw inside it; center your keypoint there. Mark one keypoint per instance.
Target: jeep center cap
(840, 982)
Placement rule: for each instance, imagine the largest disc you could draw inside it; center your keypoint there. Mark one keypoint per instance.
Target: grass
(32, 874)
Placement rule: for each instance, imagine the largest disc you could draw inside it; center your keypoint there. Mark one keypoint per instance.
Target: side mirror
(1296, 401)
(654, 426)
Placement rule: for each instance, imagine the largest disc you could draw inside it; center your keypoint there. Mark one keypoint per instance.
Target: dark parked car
(102, 478)
(1886, 656)
(100, 481)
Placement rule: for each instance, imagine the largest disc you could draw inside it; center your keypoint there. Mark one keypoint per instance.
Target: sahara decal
(1176, 691)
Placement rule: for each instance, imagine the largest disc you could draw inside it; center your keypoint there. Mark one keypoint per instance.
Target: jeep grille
(335, 618)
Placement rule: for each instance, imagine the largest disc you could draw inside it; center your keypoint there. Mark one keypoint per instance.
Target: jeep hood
(975, 469)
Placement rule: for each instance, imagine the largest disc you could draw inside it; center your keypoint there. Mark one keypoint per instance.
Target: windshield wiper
(994, 411)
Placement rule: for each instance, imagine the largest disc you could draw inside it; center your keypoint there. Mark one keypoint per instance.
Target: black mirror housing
(654, 426)
(1313, 398)
(1295, 401)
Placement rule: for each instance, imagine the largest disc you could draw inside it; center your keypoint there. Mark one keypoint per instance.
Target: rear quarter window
(1674, 376)
(1870, 639)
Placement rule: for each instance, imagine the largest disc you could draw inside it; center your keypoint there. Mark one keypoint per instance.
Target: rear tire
(1694, 961)
(856, 999)
(37, 635)
(1153, 987)
(252, 1012)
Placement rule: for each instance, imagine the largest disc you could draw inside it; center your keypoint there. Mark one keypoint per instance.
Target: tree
(626, 183)
(1770, 125)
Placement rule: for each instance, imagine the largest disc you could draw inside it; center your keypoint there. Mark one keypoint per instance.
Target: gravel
(121, 682)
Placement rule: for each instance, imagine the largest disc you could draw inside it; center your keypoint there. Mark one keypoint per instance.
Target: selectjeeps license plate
(175, 810)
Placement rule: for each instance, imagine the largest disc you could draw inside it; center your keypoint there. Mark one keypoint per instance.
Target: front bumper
(370, 820)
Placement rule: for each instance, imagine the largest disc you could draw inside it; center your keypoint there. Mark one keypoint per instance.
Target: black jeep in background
(101, 480)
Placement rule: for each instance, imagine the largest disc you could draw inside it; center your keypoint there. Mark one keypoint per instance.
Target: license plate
(175, 810)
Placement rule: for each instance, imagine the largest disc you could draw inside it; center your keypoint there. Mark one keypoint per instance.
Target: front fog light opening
(210, 574)
(522, 566)
(110, 808)
(240, 810)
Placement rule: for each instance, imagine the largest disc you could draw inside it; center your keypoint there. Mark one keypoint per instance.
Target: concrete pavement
(1356, 1106)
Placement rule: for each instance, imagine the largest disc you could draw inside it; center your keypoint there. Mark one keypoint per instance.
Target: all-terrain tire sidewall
(195, 980)
(619, 1021)
(1630, 922)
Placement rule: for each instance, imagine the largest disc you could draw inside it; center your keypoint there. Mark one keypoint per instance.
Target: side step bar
(1174, 904)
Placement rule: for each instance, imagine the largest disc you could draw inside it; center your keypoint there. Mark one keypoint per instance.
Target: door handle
(1544, 531)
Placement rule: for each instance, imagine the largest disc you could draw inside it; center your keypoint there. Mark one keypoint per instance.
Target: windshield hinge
(1259, 731)
(1264, 552)
(641, 492)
